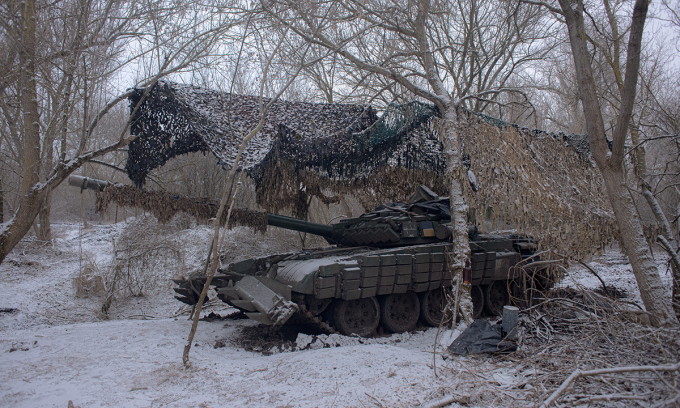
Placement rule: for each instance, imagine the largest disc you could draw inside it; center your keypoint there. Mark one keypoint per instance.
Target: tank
(387, 268)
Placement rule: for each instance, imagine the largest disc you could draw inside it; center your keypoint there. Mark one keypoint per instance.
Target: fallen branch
(375, 400)
(604, 286)
(449, 400)
(578, 373)
(609, 397)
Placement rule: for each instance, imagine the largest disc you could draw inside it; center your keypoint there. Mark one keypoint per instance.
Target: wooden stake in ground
(229, 185)
(216, 239)
(213, 268)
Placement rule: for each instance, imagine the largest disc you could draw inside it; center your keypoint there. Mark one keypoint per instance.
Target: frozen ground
(55, 348)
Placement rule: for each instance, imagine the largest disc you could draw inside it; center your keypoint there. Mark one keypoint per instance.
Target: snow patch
(54, 347)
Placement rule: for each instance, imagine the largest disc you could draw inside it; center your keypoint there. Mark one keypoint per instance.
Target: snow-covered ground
(55, 347)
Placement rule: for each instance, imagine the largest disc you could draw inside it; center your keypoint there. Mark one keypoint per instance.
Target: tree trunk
(31, 198)
(640, 166)
(30, 157)
(45, 230)
(652, 291)
(15, 229)
(662, 220)
(610, 162)
(461, 244)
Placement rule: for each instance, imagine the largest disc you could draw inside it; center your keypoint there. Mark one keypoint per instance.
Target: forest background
(608, 69)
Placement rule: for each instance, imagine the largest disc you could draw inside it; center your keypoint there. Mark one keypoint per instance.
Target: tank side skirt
(372, 274)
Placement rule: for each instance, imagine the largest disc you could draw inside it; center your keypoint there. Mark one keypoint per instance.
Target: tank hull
(392, 287)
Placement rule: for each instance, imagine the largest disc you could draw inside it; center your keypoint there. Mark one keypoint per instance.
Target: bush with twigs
(575, 347)
(145, 255)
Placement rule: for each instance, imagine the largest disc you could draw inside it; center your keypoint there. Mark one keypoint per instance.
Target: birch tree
(450, 53)
(611, 162)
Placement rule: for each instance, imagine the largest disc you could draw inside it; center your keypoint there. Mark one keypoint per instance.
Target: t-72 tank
(390, 267)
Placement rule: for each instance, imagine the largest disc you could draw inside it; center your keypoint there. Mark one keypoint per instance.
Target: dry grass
(89, 284)
(145, 256)
(580, 336)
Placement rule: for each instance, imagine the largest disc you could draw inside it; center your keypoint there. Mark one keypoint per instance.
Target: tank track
(188, 293)
(317, 321)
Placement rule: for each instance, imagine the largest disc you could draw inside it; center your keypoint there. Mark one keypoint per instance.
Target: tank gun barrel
(295, 224)
(87, 183)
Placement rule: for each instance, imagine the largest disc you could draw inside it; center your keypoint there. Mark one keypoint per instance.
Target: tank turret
(389, 226)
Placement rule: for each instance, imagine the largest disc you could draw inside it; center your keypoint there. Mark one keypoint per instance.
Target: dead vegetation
(576, 347)
(579, 331)
(89, 281)
(145, 256)
(89, 284)
(165, 206)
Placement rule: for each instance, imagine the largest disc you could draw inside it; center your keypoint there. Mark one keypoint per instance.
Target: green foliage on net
(395, 123)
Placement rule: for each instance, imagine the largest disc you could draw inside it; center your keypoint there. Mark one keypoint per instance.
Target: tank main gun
(88, 183)
(295, 224)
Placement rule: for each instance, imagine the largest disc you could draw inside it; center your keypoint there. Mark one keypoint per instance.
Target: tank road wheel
(477, 294)
(496, 297)
(399, 312)
(432, 305)
(360, 316)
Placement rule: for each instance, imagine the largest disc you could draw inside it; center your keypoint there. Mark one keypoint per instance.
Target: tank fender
(301, 274)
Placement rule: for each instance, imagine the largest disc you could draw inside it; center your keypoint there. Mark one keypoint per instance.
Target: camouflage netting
(544, 184)
(335, 140)
(164, 206)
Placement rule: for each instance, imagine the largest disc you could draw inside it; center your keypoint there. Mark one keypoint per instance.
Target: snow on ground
(614, 269)
(138, 363)
(54, 346)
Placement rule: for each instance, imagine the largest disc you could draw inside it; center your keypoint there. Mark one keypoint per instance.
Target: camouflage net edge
(164, 206)
(280, 187)
(538, 182)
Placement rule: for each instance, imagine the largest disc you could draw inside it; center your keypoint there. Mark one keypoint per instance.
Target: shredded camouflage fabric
(540, 183)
